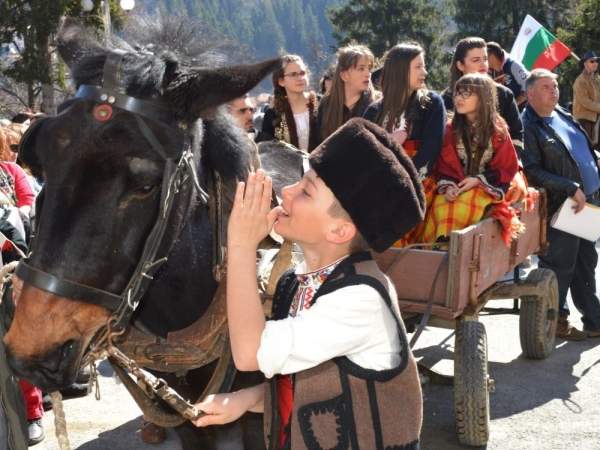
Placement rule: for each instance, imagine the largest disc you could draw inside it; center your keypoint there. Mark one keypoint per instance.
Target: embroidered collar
(317, 277)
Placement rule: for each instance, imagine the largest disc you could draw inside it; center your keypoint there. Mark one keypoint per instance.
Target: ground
(542, 405)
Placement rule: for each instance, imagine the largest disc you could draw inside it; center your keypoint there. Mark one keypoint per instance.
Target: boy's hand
(251, 218)
(225, 408)
(467, 184)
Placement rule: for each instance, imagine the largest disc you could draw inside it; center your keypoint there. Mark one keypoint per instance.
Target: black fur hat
(373, 179)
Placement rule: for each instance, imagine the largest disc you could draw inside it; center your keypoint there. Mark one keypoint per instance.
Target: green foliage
(380, 24)
(265, 27)
(500, 20)
(32, 25)
(581, 34)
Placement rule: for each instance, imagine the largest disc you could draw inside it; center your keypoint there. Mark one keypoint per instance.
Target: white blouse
(302, 129)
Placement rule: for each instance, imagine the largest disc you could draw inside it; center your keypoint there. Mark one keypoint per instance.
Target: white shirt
(302, 129)
(353, 321)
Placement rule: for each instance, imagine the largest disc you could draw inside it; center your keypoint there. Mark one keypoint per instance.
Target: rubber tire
(471, 393)
(539, 316)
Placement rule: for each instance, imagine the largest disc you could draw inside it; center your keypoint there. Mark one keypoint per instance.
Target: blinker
(103, 112)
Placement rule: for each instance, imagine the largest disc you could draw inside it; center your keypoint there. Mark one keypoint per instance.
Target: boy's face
(307, 219)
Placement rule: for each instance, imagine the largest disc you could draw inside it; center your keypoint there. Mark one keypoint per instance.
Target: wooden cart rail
(476, 259)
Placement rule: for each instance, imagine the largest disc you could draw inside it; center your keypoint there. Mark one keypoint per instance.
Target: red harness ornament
(103, 112)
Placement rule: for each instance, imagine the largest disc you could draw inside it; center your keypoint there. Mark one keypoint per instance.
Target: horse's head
(104, 158)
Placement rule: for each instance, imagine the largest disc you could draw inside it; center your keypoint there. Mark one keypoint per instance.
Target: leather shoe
(565, 330)
(35, 432)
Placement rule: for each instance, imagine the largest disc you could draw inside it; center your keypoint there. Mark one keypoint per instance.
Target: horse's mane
(156, 52)
(152, 45)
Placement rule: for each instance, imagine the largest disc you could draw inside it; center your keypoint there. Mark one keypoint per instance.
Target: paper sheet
(585, 224)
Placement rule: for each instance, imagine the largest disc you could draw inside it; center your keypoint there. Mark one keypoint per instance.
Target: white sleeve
(339, 323)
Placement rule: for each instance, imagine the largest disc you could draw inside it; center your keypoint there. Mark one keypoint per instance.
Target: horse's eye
(147, 188)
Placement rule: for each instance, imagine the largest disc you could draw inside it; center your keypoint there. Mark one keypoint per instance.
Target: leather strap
(148, 109)
(66, 288)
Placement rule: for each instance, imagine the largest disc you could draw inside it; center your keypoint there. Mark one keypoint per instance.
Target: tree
(381, 24)
(31, 26)
(581, 34)
(500, 20)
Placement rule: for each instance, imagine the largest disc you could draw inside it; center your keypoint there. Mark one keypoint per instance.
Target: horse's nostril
(61, 355)
(67, 349)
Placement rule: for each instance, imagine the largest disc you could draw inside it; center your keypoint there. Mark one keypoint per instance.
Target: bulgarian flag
(537, 48)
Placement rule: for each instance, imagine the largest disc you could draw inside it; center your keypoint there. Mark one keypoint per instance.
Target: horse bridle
(176, 176)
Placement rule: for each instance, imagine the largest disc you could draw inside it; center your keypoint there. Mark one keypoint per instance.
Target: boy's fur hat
(373, 179)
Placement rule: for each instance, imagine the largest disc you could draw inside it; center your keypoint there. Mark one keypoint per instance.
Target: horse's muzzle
(55, 370)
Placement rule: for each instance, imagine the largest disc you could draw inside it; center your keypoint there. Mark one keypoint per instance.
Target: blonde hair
(8, 136)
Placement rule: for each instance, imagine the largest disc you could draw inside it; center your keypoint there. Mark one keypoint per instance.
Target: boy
(336, 325)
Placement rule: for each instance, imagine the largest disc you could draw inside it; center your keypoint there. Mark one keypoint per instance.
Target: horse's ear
(199, 90)
(74, 41)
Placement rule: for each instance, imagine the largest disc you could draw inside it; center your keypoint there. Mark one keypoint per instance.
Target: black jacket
(547, 161)
(357, 111)
(427, 127)
(508, 109)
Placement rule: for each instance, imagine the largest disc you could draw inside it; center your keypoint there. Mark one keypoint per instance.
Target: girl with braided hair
(293, 116)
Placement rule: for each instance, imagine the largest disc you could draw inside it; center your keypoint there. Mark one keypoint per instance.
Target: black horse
(103, 159)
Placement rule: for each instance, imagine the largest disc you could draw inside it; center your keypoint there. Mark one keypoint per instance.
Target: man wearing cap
(586, 97)
(335, 324)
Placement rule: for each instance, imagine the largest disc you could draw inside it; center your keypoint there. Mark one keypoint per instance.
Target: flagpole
(575, 56)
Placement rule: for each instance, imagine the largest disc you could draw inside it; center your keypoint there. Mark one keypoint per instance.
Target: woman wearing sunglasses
(476, 165)
(293, 116)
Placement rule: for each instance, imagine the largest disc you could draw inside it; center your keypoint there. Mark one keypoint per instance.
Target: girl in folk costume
(476, 166)
(351, 91)
(293, 116)
(413, 115)
(470, 56)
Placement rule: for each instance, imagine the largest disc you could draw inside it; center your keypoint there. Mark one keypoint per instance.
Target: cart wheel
(471, 383)
(539, 316)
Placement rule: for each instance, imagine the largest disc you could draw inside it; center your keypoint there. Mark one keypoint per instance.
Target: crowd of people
(472, 151)
(478, 145)
(478, 148)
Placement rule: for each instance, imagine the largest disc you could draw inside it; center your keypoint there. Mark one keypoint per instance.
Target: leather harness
(195, 346)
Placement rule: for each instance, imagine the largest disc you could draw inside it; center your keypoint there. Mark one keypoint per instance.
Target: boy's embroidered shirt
(309, 284)
(353, 321)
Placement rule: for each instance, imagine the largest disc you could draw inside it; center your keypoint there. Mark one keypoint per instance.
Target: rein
(179, 177)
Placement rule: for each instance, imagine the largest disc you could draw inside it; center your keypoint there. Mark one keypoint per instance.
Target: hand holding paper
(584, 223)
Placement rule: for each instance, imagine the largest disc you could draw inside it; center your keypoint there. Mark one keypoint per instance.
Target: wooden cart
(466, 278)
